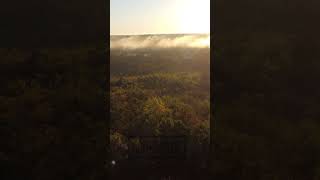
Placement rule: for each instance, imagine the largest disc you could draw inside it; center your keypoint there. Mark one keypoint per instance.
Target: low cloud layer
(159, 41)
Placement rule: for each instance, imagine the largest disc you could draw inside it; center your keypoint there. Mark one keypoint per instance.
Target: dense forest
(159, 92)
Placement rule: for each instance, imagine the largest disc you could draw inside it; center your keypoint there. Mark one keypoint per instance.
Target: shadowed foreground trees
(161, 94)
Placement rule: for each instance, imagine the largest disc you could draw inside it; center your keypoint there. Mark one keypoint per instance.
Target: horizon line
(160, 34)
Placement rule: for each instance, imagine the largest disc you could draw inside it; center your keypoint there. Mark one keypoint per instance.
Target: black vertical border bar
(43, 30)
(212, 82)
(107, 76)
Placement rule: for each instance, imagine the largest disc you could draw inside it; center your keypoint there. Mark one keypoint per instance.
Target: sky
(133, 17)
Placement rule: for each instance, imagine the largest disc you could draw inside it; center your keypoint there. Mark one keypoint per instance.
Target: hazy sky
(159, 16)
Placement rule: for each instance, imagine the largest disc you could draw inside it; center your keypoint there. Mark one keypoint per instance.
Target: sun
(193, 16)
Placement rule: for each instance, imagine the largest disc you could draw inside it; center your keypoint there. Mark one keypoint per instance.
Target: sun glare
(193, 16)
(206, 42)
(202, 42)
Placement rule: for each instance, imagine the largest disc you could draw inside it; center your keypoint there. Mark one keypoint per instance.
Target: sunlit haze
(133, 17)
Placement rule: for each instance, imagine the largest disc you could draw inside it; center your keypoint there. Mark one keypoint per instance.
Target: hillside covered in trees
(160, 91)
